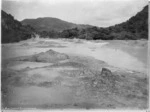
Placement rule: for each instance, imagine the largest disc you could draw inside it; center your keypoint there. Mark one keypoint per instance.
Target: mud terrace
(61, 73)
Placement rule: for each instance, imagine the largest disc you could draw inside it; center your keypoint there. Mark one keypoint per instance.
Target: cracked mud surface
(45, 76)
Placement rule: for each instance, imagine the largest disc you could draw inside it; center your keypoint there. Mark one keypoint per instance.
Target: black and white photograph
(74, 54)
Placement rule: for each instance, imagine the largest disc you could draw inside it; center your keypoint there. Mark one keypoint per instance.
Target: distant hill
(51, 24)
(134, 28)
(13, 30)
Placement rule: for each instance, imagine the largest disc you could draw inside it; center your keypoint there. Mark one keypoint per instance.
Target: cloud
(94, 12)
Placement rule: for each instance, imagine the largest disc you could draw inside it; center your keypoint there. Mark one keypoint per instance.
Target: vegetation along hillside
(13, 30)
(135, 28)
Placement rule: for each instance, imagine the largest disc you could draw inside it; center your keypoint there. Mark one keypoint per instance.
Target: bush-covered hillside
(13, 30)
(135, 28)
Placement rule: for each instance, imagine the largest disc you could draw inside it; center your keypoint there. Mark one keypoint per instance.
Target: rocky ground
(54, 74)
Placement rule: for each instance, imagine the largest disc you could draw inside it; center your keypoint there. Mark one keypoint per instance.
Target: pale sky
(102, 13)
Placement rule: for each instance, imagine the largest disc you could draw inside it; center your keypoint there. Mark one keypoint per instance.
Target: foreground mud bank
(56, 74)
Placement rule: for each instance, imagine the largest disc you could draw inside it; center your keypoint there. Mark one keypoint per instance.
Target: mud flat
(56, 74)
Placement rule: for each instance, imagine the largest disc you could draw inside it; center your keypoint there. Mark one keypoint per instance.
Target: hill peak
(51, 23)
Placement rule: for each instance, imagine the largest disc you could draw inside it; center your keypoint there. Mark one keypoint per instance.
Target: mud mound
(124, 86)
(25, 44)
(48, 56)
(104, 80)
(68, 64)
